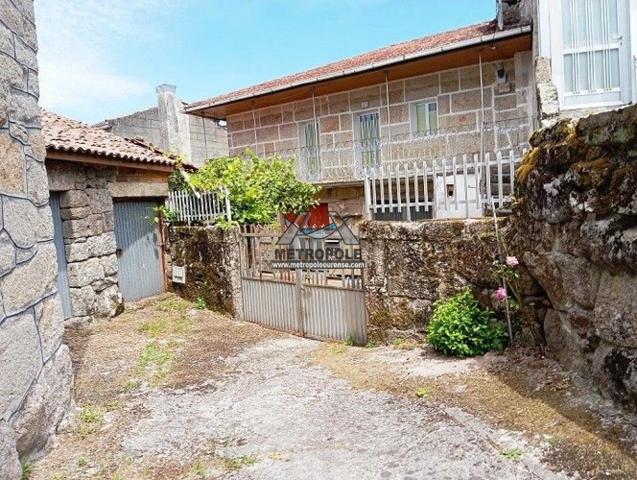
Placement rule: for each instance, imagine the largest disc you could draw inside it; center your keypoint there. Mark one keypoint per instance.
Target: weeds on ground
(237, 463)
(82, 461)
(404, 343)
(422, 392)
(154, 328)
(132, 385)
(200, 303)
(199, 469)
(158, 358)
(172, 304)
(27, 470)
(349, 341)
(90, 420)
(512, 454)
(372, 344)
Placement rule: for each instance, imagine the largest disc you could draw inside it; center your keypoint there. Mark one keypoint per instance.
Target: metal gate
(141, 272)
(322, 304)
(58, 240)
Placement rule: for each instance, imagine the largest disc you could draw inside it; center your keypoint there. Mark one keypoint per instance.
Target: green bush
(460, 327)
(259, 188)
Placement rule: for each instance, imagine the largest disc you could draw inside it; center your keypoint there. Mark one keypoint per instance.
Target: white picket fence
(199, 206)
(459, 187)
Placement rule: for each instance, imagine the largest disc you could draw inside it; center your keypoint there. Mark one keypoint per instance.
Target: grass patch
(82, 461)
(349, 341)
(154, 354)
(237, 463)
(90, 420)
(172, 304)
(514, 454)
(154, 328)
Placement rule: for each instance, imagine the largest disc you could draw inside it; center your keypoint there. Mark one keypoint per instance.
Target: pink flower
(501, 294)
(512, 262)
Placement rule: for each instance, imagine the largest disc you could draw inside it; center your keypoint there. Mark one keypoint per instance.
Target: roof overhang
(105, 161)
(492, 47)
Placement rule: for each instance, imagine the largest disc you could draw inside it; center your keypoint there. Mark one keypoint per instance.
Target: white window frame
(356, 125)
(588, 100)
(413, 116)
(303, 145)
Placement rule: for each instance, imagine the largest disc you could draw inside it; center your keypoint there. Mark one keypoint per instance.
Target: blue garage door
(138, 249)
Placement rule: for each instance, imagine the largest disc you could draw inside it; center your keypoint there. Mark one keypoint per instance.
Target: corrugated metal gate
(141, 272)
(311, 303)
(58, 240)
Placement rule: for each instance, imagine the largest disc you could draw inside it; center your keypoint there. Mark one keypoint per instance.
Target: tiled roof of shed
(62, 134)
(367, 61)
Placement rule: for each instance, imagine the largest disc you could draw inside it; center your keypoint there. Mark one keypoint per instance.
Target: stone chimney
(173, 122)
(514, 13)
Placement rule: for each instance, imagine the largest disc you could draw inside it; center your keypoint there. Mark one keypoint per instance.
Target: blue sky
(102, 59)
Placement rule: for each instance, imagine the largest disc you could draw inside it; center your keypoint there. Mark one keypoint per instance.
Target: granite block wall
(36, 378)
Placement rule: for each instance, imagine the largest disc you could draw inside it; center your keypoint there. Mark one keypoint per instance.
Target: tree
(259, 188)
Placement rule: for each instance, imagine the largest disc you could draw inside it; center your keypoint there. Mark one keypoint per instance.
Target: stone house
(103, 189)
(465, 91)
(168, 128)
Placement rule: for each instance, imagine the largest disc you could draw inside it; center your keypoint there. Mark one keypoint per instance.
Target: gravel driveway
(168, 392)
(295, 420)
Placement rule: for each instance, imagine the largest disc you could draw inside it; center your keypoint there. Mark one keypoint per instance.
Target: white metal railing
(458, 187)
(349, 160)
(207, 206)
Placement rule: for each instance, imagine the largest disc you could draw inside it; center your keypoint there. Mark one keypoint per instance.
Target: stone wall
(411, 265)
(576, 230)
(36, 377)
(89, 237)
(212, 260)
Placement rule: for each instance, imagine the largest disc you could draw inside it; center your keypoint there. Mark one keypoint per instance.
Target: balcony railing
(350, 160)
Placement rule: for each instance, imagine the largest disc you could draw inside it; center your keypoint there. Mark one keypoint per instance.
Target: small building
(168, 128)
(103, 193)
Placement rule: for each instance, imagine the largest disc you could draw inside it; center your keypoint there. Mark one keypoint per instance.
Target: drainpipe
(391, 155)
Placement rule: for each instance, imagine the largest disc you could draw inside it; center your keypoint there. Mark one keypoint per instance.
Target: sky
(102, 59)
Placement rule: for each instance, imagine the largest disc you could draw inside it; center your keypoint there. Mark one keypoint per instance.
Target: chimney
(173, 122)
(514, 13)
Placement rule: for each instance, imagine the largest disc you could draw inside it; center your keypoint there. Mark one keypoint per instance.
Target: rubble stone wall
(575, 224)
(89, 237)
(411, 265)
(36, 377)
(212, 259)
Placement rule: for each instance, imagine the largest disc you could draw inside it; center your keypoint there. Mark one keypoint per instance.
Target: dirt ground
(167, 391)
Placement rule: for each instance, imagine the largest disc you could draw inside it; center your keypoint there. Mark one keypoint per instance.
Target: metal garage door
(138, 249)
(58, 239)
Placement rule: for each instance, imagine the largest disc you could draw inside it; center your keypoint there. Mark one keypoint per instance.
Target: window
(426, 118)
(369, 137)
(593, 52)
(310, 155)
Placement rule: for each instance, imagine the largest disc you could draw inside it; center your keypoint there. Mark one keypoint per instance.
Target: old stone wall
(89, 237)
(411, 265)
(36, 377)
(212, 259)
(576, 230)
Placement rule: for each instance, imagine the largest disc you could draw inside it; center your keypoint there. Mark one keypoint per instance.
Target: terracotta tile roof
(62, 134)
(396, 53)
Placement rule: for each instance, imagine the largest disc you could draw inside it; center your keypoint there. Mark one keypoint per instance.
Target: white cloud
(78, 42)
